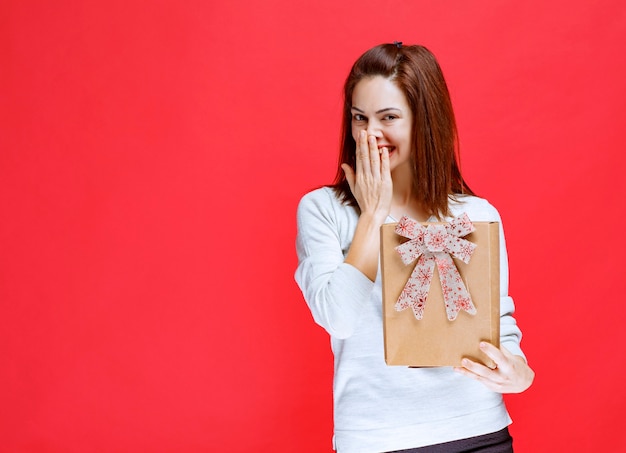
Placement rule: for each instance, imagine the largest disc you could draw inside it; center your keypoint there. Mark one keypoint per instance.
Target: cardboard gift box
(443, 335)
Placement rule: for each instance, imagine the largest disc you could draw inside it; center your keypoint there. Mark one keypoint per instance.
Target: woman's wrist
(373, 219)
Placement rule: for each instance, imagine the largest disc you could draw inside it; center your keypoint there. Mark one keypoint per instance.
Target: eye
(358, 117)
(389, 117)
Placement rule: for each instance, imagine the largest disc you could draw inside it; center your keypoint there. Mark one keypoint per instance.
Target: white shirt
(379, 408)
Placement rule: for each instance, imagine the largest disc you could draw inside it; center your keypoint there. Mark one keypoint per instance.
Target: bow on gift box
(430, 245)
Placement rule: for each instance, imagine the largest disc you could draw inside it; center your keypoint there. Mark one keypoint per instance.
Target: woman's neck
(404, 201)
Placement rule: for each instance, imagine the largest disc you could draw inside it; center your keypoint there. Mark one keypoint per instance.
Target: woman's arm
(336, 289)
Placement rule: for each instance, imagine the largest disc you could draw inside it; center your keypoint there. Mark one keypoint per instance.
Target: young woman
(399, 157)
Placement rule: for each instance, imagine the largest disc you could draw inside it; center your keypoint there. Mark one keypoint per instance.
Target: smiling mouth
(389, 148)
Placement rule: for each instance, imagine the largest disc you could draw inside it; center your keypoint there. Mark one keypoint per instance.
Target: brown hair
(435, 156)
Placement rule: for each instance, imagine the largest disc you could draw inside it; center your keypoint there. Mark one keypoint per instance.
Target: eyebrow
(379, 111)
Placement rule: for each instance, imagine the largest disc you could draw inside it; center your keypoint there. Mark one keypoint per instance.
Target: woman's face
(381, 109)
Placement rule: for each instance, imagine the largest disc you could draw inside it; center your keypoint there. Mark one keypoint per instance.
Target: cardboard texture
(434, 340)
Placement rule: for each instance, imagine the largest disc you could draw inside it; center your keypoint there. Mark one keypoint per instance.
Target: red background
(152, 154)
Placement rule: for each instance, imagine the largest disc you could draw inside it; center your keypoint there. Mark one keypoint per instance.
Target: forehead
(377, 93)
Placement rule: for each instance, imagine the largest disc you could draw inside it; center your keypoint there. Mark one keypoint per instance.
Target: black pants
(498, 442)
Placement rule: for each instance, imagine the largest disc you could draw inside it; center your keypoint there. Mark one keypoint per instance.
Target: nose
(373, 128)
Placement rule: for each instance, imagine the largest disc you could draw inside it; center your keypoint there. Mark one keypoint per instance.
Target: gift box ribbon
(435, 244)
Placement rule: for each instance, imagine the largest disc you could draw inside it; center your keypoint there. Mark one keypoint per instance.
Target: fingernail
(483, 345)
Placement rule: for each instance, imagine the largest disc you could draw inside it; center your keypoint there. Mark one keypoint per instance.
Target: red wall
(152, 154)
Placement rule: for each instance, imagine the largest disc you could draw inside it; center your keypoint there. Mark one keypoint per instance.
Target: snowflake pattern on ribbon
(430, 246)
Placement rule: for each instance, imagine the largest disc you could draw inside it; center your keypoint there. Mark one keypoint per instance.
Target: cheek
(406, 135)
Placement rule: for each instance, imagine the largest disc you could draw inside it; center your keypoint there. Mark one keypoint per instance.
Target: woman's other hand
(511, 374)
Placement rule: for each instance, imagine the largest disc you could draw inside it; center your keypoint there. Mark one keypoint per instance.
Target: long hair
(435, 154)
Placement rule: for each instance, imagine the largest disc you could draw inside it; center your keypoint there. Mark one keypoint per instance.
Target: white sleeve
(510, 333)
(335, 292)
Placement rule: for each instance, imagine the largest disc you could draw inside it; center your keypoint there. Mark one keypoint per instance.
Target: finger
(491, 382)
(384, 165)
(349, 172)
(508, 354)
(374, 155)
(362, 155)
(493, 353)
(357, 156)
(477, 369)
